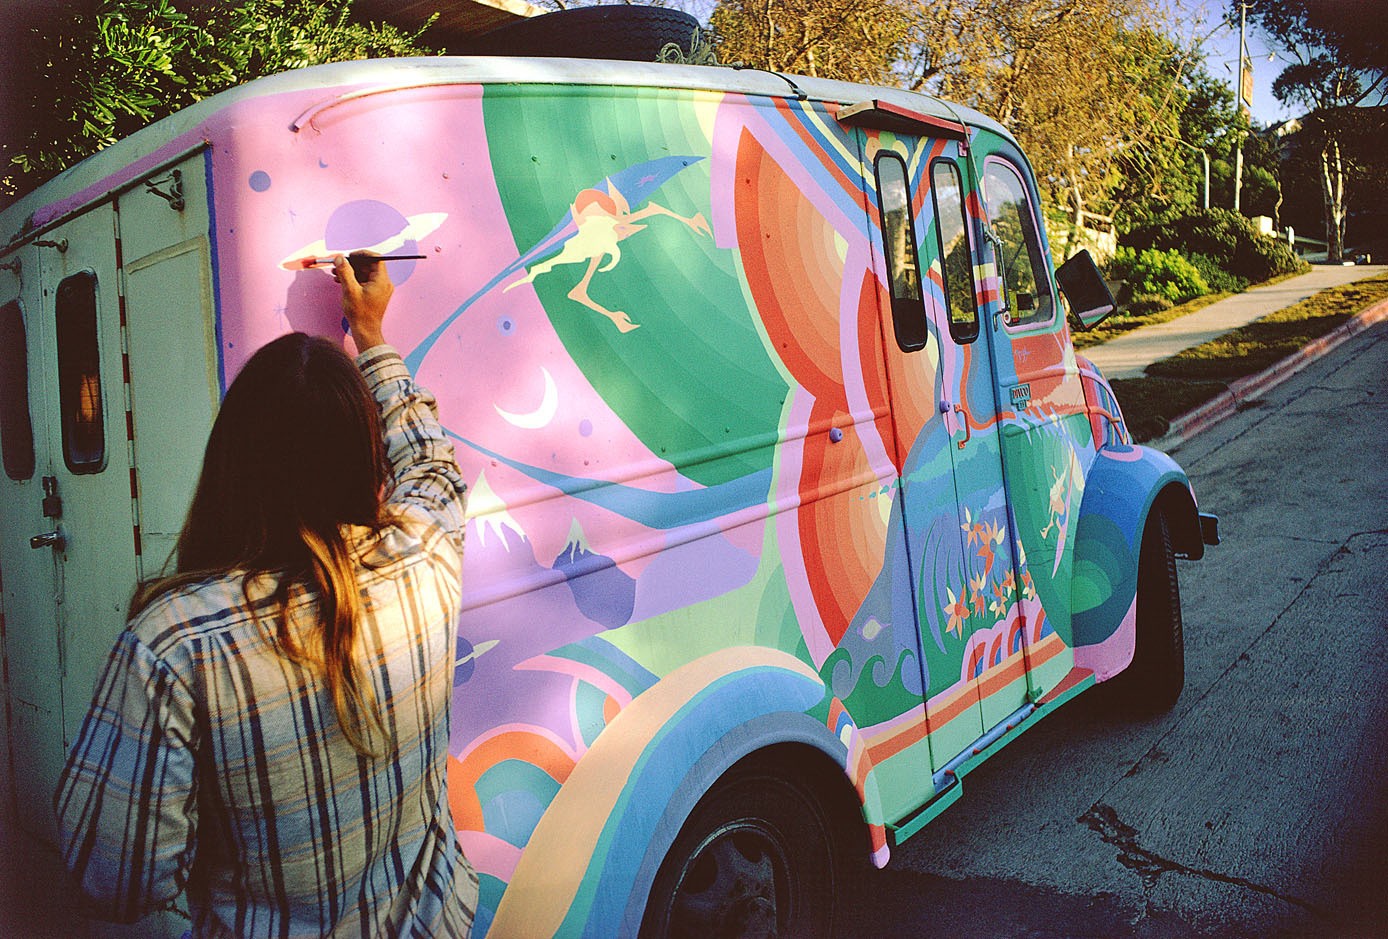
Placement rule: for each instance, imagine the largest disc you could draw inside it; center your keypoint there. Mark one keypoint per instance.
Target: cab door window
(1021, 259)
(957, 268)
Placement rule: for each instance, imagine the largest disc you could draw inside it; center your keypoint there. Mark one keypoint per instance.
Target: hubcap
(733, 885)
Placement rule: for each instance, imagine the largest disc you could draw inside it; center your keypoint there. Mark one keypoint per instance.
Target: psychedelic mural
(657, 327)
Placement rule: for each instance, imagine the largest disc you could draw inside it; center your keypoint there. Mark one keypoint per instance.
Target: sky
(1221, 61)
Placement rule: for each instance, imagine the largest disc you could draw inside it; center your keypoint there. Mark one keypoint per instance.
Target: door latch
(52, 504)
(49, 539)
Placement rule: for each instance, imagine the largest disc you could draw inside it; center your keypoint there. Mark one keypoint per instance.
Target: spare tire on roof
(632, 33)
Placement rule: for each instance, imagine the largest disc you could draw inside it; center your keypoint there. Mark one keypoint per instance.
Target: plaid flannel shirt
(211, 763)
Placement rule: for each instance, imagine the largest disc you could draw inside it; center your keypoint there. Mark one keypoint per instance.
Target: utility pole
(1245, 104)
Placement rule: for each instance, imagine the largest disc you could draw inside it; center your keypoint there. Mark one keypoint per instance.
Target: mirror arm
(995, 243)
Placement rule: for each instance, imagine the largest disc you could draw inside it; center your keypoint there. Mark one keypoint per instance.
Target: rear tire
(760, 856)
(1154, 680)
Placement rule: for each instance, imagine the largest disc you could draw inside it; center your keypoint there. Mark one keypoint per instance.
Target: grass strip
(1187, 380)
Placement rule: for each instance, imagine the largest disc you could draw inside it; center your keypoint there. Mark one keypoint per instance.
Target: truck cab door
(941, 387)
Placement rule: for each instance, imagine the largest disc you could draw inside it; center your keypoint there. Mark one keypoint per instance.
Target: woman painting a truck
(790, 501)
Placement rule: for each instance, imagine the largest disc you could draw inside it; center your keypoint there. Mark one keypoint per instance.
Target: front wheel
(761, 856)
(1154, 680)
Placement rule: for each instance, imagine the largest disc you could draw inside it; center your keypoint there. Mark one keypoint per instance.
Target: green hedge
(1226, 239)
(1155, 273)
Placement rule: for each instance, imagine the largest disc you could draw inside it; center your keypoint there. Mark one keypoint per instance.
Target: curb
(1246, 389)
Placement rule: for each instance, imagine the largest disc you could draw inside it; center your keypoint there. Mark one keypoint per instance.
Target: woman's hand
(364, 303)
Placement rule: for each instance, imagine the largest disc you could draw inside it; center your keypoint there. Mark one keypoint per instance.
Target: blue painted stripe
(659, 510)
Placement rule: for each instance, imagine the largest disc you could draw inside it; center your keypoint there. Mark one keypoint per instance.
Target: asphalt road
(1258, 806)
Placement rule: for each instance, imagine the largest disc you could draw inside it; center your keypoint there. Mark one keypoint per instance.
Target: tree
(98, 73)
(1163, 170)
(1092, 90)
(1336, 66)
(851, 40)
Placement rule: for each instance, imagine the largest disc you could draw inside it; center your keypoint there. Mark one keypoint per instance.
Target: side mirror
(1084, 287)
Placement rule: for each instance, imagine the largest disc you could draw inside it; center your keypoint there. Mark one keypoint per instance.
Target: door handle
(968, 431)
(49, 539)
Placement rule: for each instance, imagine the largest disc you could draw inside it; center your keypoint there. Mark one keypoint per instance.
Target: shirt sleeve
(127, 798)
(426, 475)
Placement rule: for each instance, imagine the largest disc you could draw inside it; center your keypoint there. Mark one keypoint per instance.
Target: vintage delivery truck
(791, 501)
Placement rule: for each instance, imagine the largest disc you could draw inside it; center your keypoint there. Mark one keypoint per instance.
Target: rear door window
(899, 244)
(79, 375)
(16, 426)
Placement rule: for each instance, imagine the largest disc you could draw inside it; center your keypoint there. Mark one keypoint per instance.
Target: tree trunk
(1333, 198)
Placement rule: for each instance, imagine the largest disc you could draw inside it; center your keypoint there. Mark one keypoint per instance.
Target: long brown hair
(296, 452)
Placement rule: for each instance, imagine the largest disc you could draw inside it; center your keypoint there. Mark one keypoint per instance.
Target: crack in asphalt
(1149, 866)
(1103, 819)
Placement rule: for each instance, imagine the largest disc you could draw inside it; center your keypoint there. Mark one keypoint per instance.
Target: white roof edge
(407, 72)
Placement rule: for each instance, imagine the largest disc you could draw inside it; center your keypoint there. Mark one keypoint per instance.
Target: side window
(16, 428)
(1021, 260)
(899, 240)
(79, 374)
(957, 269)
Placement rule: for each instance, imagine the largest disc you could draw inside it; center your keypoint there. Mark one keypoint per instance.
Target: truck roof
(82, 181)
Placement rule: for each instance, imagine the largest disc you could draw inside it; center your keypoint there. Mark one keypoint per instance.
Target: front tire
(761, 856)
(1154, 680)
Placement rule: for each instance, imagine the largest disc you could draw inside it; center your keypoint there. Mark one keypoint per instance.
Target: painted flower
(989, 536)
(1009, 584)
(979, 596)
(1001, 597)
(974, 529)
(956, 611)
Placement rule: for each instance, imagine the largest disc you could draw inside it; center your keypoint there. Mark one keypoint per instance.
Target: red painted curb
(1194, 422)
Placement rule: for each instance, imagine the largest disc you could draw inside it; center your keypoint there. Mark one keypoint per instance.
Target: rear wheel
(761, 856)
(1158, 672)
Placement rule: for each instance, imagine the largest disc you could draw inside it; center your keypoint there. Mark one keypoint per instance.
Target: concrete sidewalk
(1129, 355)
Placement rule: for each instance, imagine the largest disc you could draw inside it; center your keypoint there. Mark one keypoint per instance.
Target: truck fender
(1122, 486)
(593, 856)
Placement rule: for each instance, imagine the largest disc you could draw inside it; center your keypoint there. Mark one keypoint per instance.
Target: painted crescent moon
(542, 415)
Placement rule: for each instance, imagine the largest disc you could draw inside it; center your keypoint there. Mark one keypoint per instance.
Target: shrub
(1155, 273)
(1226, 238)
(1220, 280)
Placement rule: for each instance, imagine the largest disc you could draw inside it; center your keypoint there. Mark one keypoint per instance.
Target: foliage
(1227, 239)
(1158, 273)
(1336, 65)
(1164, 172)
(1218, 279)
(96, 76)
(852, 40)
(1081, 85)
